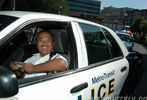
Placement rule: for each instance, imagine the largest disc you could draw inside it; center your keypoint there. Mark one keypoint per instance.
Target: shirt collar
(38, 54)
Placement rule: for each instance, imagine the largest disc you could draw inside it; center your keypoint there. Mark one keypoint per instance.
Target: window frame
(108, 60)
(30, 23)
(104, 38)
(114, 41)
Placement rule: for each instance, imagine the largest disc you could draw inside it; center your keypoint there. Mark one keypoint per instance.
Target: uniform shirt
(36, 59)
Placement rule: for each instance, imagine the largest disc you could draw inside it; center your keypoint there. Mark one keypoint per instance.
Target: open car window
(6, 20)
(23, 44)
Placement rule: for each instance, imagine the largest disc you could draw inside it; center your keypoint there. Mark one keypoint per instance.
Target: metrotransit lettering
(102, 77)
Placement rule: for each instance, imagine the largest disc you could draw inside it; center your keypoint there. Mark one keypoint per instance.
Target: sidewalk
(140, 48)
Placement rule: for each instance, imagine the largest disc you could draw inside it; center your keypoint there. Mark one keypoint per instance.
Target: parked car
(127, 39)
(97, 64)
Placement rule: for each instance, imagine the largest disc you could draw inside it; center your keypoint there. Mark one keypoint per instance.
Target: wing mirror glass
(8, 83)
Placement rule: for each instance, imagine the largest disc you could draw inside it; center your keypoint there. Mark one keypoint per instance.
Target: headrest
(61, 41)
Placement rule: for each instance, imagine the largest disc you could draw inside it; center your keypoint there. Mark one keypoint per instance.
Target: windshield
(124, 37)
(6, 20)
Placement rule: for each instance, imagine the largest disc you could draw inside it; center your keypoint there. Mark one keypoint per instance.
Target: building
(90, 17)
(135, 14)
(90, 10)
(113, 24)
(112, 13)
(84, 6)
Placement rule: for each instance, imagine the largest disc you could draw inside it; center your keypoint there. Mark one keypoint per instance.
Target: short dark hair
(47, 32)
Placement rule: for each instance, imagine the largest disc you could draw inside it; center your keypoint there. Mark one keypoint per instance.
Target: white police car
(127, 39)
(97, 58)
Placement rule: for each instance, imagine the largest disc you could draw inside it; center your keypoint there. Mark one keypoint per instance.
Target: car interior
(23, 45)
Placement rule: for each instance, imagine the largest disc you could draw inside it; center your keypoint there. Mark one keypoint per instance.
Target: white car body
(59, 86)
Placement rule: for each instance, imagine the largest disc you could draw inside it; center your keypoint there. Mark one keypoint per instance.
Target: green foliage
(1, 2)
(55, 6)
(140, 25)
(29, 5)
(49, 6)
(143, 26)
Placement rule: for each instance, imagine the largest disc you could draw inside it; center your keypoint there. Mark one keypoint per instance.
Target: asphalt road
(136, 82)
(141, 74)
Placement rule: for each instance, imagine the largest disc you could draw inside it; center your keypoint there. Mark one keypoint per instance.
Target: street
(135, 84)
(141, 86)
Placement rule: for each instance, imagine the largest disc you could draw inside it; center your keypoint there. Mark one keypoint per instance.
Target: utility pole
(60, 10)
(13, 5)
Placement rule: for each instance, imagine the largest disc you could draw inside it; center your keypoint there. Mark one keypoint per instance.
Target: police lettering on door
(104, 88)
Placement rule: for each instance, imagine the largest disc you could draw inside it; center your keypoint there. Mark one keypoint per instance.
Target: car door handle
(79, 87)
(123, 69)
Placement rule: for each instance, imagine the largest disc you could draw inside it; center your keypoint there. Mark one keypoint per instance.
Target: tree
(1, 3)
(49, 6)
(6, 5)
(136, 26)
(29, 5)
(143, 26)
(55, 6)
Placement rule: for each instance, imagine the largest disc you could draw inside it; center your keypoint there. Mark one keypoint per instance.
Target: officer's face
(45, 43)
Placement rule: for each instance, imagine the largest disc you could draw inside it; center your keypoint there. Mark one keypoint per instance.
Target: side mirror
(8, 83)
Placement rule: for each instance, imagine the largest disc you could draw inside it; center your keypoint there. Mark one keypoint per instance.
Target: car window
(6, 20)
(124, 37)
(96, 43)
(22, 45)
(13, 49)
(113, 45)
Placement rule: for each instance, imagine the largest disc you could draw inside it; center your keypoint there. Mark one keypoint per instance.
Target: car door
(108, 68)
(63, 85)
(95, 81)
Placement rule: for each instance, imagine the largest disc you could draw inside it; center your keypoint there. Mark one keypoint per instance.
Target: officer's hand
(13, 65)
(27, 67)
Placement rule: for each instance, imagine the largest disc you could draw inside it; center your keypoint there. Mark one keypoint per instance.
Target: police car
(127, 39)
(97, 64)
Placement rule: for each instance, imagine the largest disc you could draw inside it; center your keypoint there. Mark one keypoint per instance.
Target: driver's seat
(61, 44)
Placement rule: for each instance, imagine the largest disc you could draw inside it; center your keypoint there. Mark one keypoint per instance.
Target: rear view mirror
(8, 83)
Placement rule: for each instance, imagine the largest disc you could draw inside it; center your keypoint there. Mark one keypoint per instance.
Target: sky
(137, 4)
